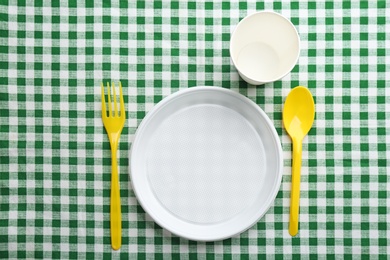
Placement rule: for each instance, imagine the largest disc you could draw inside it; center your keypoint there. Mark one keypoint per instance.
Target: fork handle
(115, 205)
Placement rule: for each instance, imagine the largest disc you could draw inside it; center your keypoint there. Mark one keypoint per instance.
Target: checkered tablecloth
(55, 154)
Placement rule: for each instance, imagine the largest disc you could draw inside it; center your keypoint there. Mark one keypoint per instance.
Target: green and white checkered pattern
(55, 154)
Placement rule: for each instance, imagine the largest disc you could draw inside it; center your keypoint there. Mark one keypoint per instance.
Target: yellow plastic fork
(114, 123)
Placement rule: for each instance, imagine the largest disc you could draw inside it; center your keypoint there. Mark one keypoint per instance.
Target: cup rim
(260, 81)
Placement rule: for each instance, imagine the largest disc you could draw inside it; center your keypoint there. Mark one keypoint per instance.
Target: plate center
(206, 163)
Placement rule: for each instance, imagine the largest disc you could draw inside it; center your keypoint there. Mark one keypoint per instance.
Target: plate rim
(270, 126)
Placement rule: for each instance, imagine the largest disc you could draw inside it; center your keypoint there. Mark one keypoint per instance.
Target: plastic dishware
(264, 47)
(298, 118)
(114, 122)
(206, 163)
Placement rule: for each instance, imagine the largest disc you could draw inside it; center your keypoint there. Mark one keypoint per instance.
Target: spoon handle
(295, 186)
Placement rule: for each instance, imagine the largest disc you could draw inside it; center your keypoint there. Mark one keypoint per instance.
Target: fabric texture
(55, 155)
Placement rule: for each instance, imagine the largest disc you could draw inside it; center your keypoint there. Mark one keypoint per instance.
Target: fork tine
(122, 102)
(109, 100)
(104, 110)
(114, 97)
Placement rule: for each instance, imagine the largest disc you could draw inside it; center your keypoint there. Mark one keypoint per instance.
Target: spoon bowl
(298, 113)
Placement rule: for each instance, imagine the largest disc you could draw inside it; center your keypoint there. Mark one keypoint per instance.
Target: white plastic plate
(206, 163)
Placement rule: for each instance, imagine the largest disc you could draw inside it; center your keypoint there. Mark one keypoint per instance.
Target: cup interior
(264, 46)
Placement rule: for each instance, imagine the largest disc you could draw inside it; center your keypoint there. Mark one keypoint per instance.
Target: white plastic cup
(264, 47)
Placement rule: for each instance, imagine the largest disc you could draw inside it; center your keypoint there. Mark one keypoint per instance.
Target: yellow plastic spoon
(298, 117)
